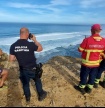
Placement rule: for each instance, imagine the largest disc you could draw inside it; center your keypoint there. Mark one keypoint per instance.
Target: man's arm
(40, 48)
(1, 52)
(82, 45)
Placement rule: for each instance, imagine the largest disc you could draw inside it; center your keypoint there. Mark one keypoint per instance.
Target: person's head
(96, 28)
(24, 33)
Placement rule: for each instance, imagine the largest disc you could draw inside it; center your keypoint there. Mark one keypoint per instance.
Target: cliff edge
(60, 74)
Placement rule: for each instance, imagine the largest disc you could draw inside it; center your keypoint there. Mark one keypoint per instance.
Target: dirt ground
(60, 74)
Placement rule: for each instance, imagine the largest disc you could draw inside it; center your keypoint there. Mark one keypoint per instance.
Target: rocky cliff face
(60, 74)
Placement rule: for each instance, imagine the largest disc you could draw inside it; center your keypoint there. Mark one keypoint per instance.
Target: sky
(53, 11)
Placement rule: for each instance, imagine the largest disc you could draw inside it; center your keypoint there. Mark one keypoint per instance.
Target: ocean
(56, 39)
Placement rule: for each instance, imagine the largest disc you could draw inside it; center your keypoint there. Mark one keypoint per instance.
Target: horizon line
(52, 23)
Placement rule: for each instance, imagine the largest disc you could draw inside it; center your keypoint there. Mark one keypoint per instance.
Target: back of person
(94, 46)
(24, 52)
(91, 49)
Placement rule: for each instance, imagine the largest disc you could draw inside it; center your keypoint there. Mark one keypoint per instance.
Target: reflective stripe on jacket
(92, 47)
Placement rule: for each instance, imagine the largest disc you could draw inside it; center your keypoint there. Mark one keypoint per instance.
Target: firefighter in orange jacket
(91, 48)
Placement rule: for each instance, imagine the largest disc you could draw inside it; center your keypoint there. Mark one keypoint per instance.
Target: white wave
(42, 37)
(52, 34)
(49, 41)
(8, 41)
(56, 36)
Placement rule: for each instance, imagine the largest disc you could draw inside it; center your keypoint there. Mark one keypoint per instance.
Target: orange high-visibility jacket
(92, 47)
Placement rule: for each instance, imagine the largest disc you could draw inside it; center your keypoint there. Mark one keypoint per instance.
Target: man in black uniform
(23, 51)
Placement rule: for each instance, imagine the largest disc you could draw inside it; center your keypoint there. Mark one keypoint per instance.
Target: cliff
(60, 74)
